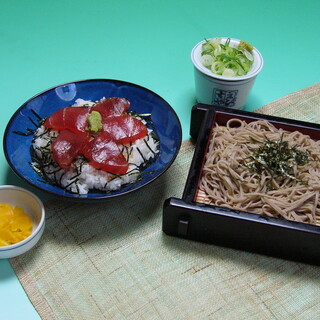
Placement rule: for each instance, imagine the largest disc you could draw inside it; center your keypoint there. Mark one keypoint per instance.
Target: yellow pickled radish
(19, 211)
(7, 235)
(15, 224)
(3, 243)
(6, 216)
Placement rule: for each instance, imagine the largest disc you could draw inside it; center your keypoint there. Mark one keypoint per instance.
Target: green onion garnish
(226, 60)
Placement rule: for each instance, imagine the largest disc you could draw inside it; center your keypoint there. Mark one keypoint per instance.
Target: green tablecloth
(112, 261)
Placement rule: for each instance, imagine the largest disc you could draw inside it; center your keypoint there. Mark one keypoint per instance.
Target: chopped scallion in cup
(226, 60)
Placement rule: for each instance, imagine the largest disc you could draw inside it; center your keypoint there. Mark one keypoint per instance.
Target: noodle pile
(227, 182)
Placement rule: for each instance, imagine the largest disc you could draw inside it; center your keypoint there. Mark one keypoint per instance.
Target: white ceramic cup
(219, 90)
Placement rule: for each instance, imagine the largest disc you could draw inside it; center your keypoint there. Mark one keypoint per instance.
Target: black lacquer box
(189, 219)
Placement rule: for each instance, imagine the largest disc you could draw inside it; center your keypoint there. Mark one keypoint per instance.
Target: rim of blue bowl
(105, 196)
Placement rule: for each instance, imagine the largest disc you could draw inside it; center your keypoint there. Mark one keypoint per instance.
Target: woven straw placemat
(112, 261)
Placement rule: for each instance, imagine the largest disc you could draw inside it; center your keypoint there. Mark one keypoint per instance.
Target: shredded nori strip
(276, 158)
(39, 121)
(145, 141)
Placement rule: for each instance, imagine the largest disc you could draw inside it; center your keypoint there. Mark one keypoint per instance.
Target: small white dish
(33, 206)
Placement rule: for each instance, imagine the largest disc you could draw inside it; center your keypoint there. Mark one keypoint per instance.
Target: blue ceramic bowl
(166, 122)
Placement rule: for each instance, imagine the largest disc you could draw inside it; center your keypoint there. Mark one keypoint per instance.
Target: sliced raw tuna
(113, 106)
(104, 154)
(67, 146)
(124, 129)
(56, 120)
(74, 119)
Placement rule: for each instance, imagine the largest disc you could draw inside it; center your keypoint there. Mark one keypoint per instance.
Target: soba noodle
(227, 181)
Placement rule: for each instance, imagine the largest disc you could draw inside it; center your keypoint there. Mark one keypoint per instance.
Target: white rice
(81, 177)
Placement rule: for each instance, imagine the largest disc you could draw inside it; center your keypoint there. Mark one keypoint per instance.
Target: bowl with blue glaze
(18, 135)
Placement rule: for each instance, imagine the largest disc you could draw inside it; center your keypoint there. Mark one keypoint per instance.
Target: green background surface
(147, 42)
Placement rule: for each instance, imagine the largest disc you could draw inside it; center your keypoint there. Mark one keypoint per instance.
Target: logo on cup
(224, 98)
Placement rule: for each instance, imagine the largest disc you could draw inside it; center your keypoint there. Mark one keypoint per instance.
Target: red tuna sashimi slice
(67, 146)
(124, 129)
(74, 119)
(113, 106)
(104, 154)
(56, 120)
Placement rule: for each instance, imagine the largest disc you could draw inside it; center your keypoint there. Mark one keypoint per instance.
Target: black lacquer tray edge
(230, 228)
